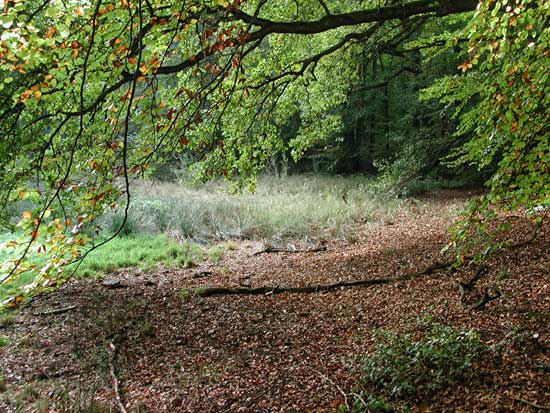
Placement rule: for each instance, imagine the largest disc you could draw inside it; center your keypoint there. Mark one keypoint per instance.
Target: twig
(536, 406)
(360, 399)
(58, 311)
(336, 386)
(116, 387)
(327, 11)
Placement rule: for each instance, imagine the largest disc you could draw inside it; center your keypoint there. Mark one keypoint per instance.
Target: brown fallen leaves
(288, 352)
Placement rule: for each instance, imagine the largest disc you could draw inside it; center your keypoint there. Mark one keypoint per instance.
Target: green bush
(401, 367)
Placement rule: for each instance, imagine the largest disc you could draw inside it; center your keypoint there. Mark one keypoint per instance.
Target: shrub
(401, 367)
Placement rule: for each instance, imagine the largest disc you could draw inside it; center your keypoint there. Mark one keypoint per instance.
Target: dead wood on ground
(211, 291)
(208, 292)
(116, 384)
(57, 311)
(270, 249)
(485, 299)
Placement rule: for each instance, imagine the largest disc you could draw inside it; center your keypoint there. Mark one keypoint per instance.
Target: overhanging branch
(382, 14)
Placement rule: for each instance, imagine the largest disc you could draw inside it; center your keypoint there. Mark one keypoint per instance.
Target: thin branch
(387, 80)
(534, 405)
(323, 4)
(57, 311)
(315, 58)
(336, 386)
(116, 384)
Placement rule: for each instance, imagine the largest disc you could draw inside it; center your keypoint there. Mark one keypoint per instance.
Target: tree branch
(324, 6)
(330, 22)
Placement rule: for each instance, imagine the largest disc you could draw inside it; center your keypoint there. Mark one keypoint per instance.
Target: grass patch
(306, 207)
(302, 207)
(143, 251)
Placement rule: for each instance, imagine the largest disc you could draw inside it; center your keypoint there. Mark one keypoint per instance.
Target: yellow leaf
(27, 214)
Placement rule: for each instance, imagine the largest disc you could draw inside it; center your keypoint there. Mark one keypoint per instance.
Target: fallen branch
(485, 299)
(536, 406)
(336, 386)
(116, 385)
(271, 249)
(208, 292)
(211, 291)
(58, 311)
(540, 365)
(531, 237)
(465, 288)
(468, 285)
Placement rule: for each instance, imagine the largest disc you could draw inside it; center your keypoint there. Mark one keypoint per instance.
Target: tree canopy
(94, 92)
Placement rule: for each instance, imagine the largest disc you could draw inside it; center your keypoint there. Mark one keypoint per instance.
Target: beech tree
(95, 92)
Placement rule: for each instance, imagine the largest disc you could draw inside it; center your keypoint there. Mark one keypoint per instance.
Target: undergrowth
(405, 366)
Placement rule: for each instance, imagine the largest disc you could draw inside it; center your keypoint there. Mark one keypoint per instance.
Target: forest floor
(166, 349)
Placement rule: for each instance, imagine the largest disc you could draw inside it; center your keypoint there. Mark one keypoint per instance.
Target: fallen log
(208, 292)
(271, 249)
(212, 291)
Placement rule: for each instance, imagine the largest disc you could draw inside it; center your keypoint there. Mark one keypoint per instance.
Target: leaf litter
(289, 352)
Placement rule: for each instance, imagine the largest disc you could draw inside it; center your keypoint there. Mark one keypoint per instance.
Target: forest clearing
(274, 206)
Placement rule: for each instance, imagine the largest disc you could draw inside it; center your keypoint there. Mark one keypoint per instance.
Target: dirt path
(289, 352)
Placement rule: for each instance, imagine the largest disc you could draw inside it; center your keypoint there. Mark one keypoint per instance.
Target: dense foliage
(97, 92)
(503, 107)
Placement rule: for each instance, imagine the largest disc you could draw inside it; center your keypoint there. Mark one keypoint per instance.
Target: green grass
(143, 251)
